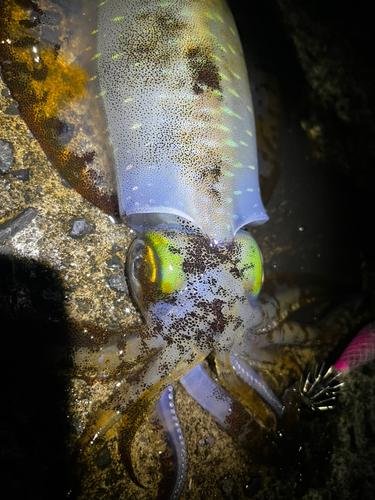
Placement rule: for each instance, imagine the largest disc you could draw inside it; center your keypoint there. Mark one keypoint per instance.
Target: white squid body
(180, 114)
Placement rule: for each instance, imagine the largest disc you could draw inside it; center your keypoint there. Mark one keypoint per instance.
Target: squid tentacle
(130, 404)
(252, 379)
(229, 414)
(166, 411)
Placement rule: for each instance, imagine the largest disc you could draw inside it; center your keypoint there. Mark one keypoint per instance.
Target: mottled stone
(4, 250)
(103, 460)
(26, 156)
(16, 224)
(112, 327)
(80, 228)
(115, 248)
(22, 175)
(115, 263)
(6, 157)
(210, 440)
(227, 485)
(118, 283)
(12, 109)
(65, 183)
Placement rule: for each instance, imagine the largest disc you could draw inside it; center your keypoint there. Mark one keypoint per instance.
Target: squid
(148, 114)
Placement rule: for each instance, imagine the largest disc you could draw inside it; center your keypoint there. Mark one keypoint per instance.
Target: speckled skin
(180, 114)
(208, 310)
(195, 102)
(206, 172)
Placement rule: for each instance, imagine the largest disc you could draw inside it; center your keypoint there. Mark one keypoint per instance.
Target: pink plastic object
(359, 352)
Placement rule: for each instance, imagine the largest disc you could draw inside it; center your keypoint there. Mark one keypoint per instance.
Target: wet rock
(103, 460)
(65, 183)
(12, 109)
(80, 228)
(29, 160)
(16, 224)
(4, 250)
(112, 327)
(6, 157)
(227, 485)
(210, 440)
(26, 156)
(115, 248)
(115, 263)
(22, 175)
(118, 283)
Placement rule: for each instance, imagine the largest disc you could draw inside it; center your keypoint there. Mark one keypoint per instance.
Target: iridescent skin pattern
(163, 263)
(194, 155)
(189, 301)
(159, 91)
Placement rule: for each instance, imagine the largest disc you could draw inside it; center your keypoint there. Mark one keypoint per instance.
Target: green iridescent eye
(154, 267)
(164, 262)
(251, 263)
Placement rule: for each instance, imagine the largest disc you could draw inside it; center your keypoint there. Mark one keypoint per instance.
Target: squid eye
(154, 268)
(251, 263)
(138, 257)
(133, 265)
